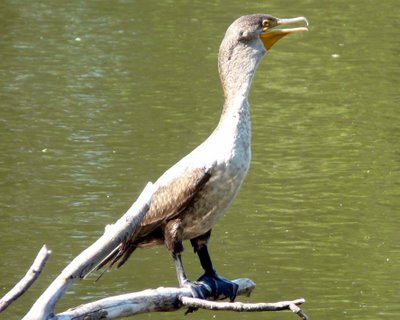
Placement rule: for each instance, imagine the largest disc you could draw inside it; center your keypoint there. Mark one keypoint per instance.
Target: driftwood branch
(171, 299)
(89, 258)
(245, 307)
(151, 300)
(30, 277)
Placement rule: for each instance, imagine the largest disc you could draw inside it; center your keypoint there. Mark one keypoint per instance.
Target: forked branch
(169, 299)
(151, 300)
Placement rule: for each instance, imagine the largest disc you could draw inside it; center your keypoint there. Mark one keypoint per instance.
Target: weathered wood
(296, 309)
(23, 285)
(171, 299)
(84, 262)
(245, 307)
(150, 300)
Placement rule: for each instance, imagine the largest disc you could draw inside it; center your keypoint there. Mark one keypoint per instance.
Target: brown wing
(168, 202)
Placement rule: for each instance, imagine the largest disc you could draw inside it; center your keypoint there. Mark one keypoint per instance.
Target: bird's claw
(221, 287)
(212, 287)
(199, 289)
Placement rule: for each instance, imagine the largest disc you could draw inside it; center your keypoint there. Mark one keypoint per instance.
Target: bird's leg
(198, 289)
(180, 271)
(171, 235)
(205, 260)
(220, 287)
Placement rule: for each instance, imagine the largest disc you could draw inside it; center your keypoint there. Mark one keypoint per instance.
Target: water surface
(98, 97)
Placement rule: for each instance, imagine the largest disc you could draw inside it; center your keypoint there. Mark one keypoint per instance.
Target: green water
(99, 97)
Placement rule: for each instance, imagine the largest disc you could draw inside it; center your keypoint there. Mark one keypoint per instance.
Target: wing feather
(168, 202)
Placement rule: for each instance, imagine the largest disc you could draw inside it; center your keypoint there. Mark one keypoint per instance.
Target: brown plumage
(162, 223)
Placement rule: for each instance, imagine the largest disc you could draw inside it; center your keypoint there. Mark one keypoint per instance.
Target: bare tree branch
(84, 262)
(30, 277)
(244, 307)
(169, 299)
(296, 309)
(151, 300)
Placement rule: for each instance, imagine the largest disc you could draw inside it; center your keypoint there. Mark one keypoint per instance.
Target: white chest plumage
(227, 154)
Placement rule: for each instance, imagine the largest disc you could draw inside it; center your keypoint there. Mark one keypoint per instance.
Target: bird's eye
(265, 25)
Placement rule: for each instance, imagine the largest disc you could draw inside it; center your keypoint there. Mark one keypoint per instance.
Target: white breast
(227, 154)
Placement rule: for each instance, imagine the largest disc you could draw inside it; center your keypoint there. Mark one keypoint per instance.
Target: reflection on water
(97, 99)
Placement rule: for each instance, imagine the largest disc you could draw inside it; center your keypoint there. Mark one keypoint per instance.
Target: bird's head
(246, 41)
(264, 27)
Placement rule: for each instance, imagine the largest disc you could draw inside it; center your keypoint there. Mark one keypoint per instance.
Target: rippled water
(97, 98)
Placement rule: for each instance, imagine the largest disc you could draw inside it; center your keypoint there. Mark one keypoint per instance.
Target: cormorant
(195, 192)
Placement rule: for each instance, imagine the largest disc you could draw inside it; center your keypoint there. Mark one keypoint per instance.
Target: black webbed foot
(211, 286)
(220, 287)
(200, 290)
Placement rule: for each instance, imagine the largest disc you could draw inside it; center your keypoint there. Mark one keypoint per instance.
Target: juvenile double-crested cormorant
(194, 193)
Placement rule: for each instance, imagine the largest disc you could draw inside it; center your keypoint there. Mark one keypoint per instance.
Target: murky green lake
(99, 97)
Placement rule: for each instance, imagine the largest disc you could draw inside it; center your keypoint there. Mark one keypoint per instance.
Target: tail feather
(125, 256)
(107, 260)
(115, 256)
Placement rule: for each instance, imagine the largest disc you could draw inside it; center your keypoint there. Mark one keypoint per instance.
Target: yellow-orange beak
(270, 36)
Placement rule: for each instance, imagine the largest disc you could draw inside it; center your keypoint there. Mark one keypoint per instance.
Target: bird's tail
(118, 255)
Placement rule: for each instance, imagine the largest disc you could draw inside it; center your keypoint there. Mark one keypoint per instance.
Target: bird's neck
(237, 65)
